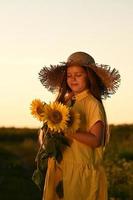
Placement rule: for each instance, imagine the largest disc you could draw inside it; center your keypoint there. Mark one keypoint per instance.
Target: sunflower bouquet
(58, 120)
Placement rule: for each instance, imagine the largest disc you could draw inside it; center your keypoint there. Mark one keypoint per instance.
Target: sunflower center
(55, 116)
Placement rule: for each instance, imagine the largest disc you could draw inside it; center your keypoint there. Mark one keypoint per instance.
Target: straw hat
(52, 77)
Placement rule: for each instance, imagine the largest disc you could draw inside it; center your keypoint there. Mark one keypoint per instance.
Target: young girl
(82, 83)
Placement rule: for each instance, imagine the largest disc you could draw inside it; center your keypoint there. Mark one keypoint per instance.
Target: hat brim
(53, 76)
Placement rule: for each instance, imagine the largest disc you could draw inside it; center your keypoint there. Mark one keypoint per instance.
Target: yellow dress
(81, 168)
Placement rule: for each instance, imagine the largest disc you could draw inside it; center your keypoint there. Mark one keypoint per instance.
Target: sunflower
(56, 116)
(73, 122)
(37, 109)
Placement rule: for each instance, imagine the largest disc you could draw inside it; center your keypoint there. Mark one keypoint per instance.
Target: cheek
(84, 80)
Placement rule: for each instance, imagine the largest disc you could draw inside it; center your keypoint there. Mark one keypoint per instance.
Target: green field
(18, 148)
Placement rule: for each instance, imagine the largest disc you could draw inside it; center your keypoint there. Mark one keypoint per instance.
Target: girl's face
(77, 78)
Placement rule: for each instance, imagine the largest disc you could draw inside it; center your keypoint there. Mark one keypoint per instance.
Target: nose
(73, 78)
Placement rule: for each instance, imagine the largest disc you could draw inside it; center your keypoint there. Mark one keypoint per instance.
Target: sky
(37, 33)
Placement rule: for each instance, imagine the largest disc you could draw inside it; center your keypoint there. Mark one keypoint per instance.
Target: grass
(18, 148)
(119, 162)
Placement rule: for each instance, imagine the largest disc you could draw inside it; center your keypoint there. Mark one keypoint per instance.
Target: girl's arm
(93, 138)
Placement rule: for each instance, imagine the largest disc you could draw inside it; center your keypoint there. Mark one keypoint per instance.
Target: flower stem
(41, 147)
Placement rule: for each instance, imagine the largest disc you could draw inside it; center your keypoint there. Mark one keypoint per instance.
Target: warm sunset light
(35, 34)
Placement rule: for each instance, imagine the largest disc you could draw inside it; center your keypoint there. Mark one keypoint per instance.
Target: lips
(75, 84)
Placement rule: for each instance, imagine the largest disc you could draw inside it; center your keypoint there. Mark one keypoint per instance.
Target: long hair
(63, 89)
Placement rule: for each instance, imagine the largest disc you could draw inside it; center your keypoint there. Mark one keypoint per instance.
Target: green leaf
(38, 179)
(50, 146)
(43, 164)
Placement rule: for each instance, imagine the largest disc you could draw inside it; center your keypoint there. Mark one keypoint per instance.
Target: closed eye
(76, 75)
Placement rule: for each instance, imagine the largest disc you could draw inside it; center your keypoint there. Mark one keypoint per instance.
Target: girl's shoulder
(91, 100)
